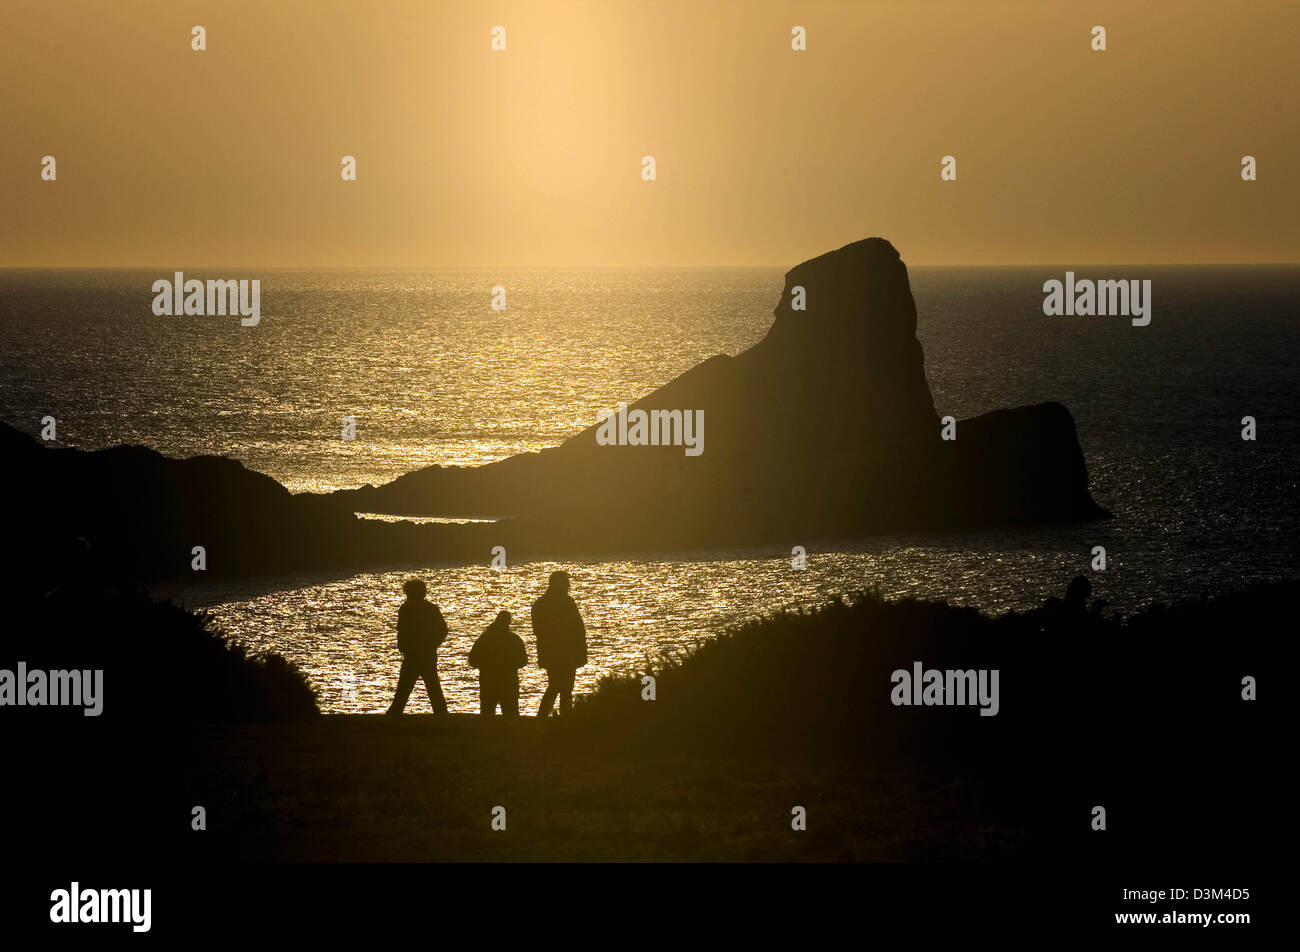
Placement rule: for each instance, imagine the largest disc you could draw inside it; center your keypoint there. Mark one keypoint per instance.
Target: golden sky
(532, 157)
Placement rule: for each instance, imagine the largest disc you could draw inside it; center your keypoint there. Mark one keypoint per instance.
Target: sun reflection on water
(342, 632)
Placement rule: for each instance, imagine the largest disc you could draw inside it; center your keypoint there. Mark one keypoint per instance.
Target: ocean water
(430, 372)
(433, 375)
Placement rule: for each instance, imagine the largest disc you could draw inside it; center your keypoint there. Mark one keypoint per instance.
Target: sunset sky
(532, 157)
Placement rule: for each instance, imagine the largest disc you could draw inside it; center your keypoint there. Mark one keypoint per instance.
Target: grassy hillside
(1142, 715)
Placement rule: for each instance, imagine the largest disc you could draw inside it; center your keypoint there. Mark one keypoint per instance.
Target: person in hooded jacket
(561, 642)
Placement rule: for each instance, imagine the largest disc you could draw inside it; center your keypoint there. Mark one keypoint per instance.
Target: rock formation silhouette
(824, 429)
(826, 426)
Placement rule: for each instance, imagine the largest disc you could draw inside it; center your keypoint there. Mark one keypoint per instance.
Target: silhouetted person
(498, 654)
(1076, 595)
(420, 630)
(561, 642)
(1072, 615)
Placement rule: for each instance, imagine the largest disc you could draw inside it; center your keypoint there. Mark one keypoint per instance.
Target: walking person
(420, 630)
(498, 654)
(561, 642)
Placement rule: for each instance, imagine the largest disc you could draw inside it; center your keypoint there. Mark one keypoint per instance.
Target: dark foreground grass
(1144, 715)
(1147, 716)
(363, 787)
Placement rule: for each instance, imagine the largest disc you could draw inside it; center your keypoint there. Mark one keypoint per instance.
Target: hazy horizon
(621, 269)
(528, 158)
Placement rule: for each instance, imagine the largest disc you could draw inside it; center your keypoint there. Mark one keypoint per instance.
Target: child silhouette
(498, 654)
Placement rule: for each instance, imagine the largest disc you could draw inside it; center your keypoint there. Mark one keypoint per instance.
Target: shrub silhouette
(1143, 713)
(160, 662)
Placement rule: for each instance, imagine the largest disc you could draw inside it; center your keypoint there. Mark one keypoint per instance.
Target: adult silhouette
(561, 642)
(498, 654)
(420, 630)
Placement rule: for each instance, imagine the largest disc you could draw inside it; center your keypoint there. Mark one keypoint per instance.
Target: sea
(430, 372)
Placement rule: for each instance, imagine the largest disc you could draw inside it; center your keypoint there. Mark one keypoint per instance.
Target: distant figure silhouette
(498, 654)
(420, 630)
(561, 642)
(1072, 615)
(1076, 595)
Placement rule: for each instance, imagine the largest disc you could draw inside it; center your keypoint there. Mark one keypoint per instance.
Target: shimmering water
(343, 631)
(434, 375)
(430, 372)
